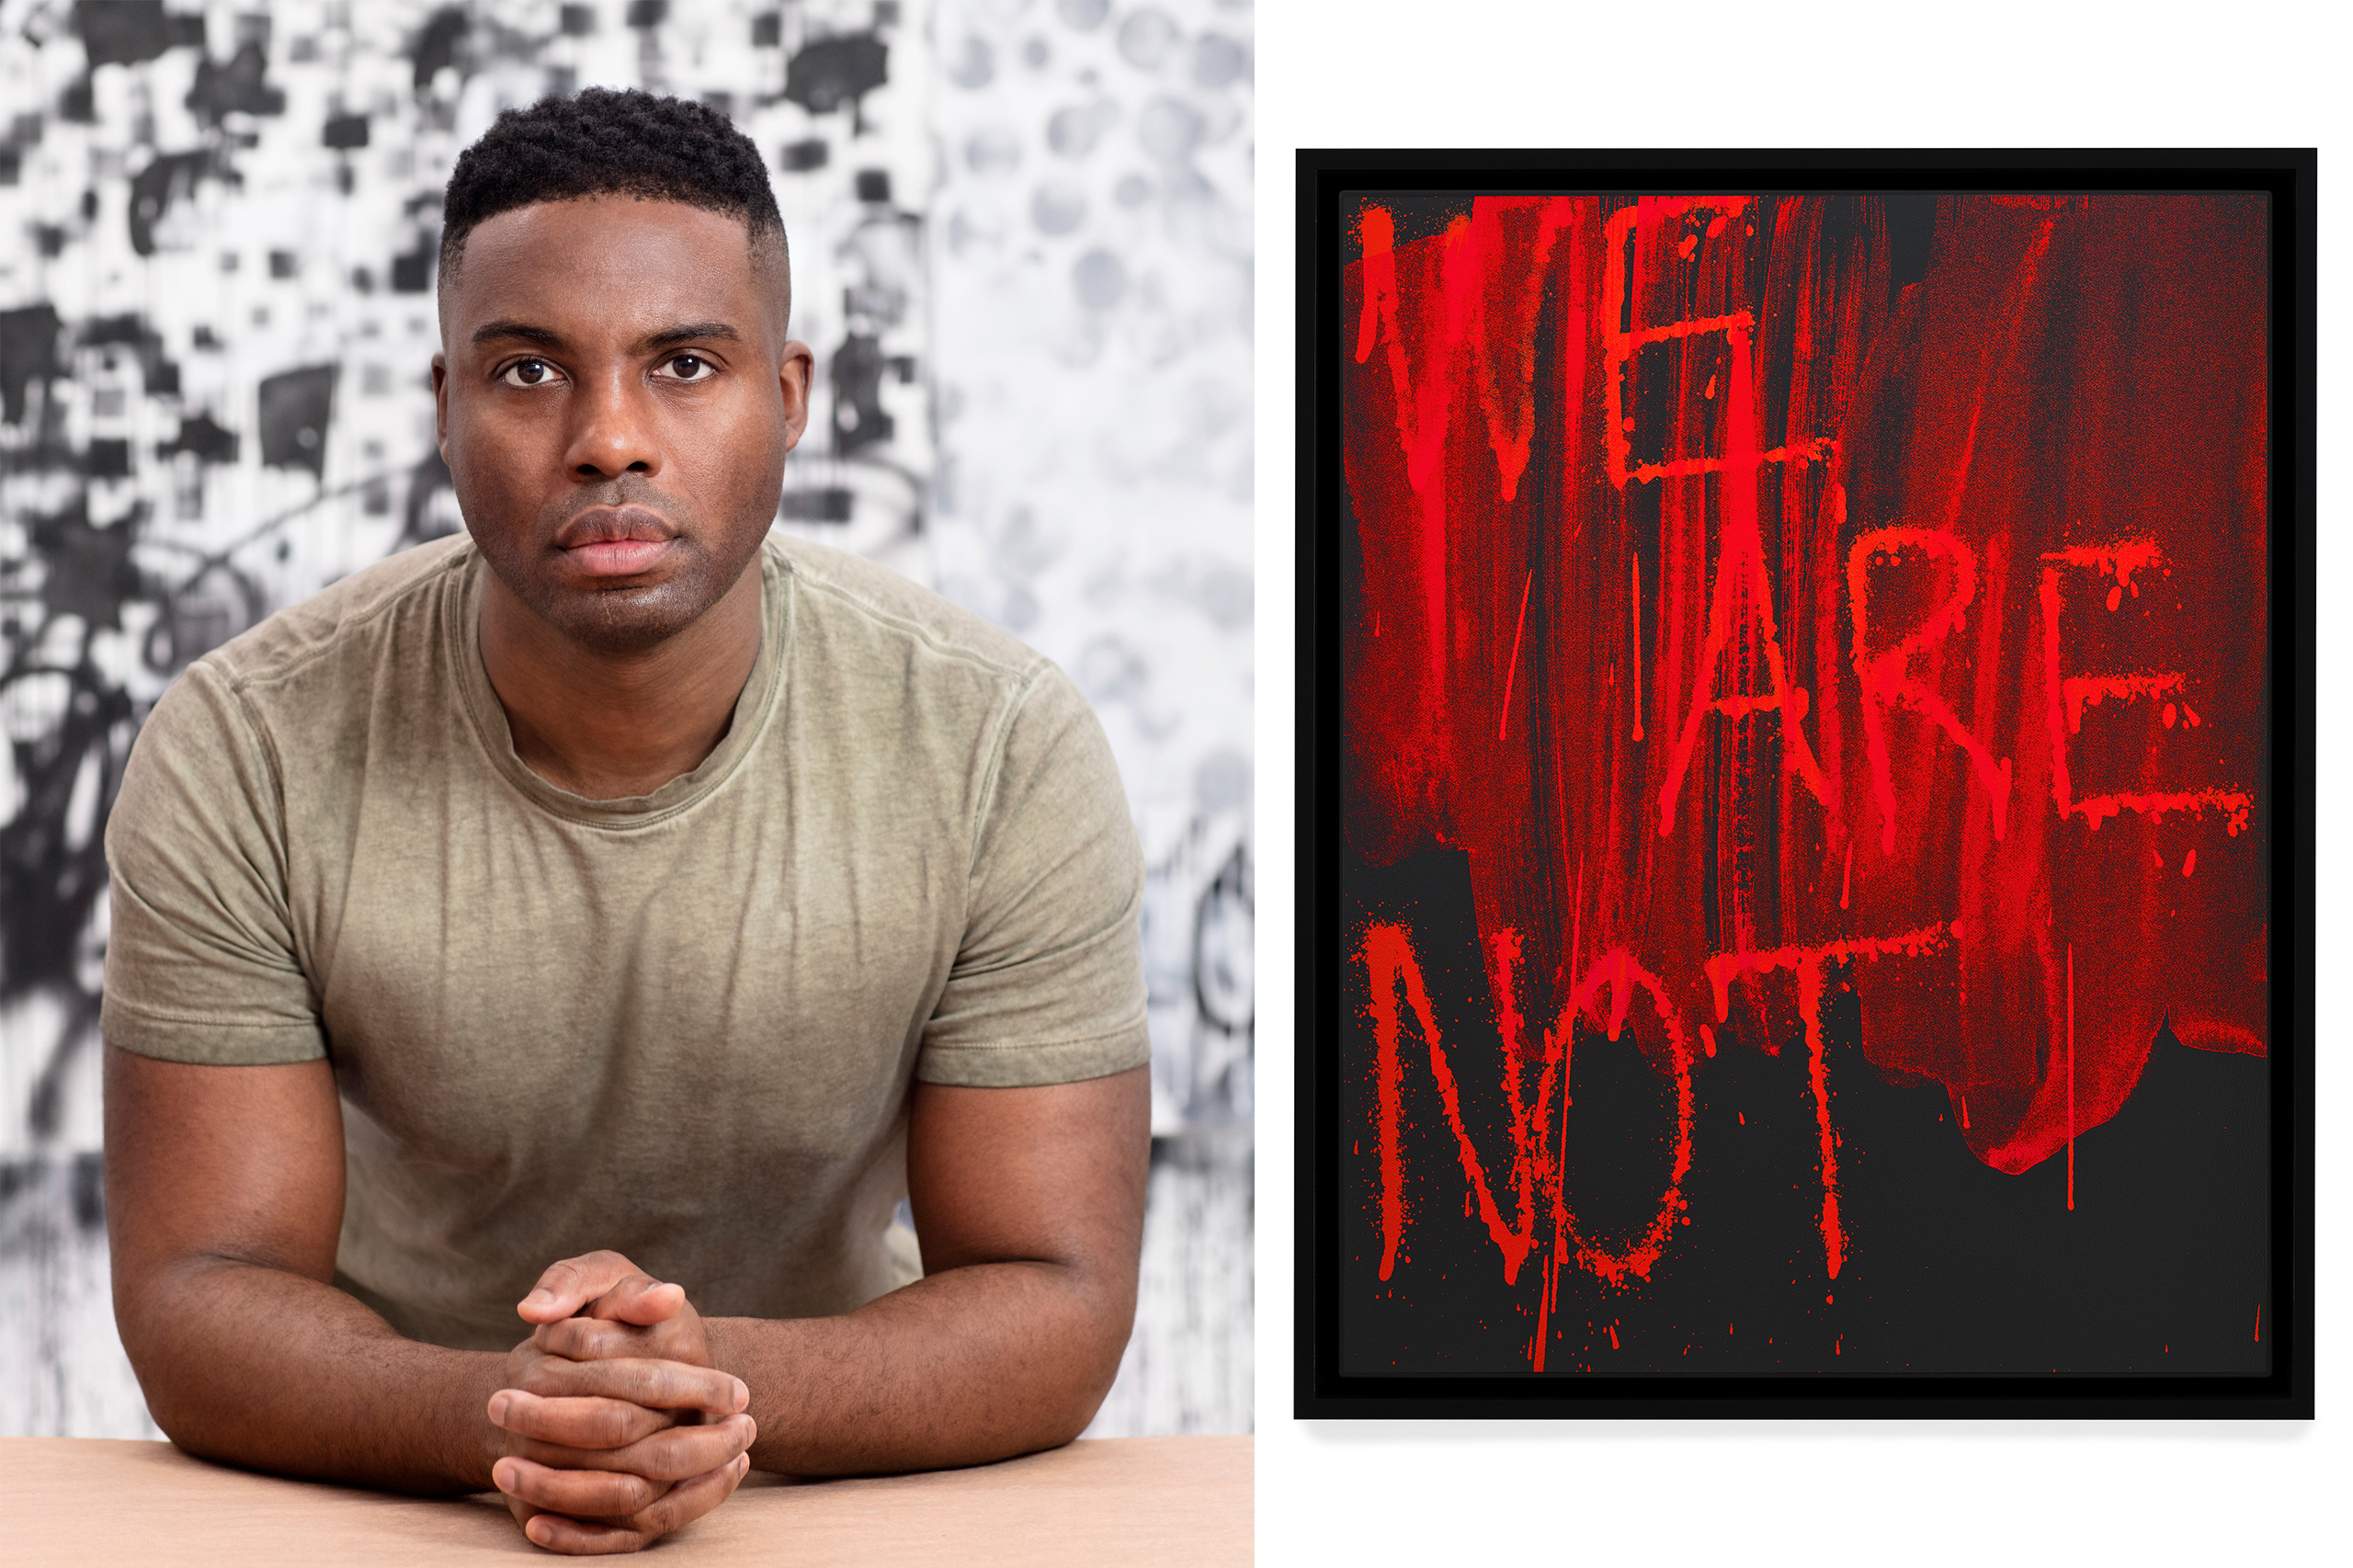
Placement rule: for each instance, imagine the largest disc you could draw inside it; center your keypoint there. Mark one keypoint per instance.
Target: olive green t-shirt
(682, 1025)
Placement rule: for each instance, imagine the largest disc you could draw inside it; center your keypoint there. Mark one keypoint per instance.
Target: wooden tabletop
(1120, 1500)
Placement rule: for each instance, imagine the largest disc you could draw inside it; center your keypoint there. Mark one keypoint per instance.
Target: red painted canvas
(1804, 780)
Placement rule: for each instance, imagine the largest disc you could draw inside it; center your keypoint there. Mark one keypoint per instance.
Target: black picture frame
(1321, 1388)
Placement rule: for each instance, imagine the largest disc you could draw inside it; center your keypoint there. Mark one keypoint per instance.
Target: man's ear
(793, 377)
(441, 406)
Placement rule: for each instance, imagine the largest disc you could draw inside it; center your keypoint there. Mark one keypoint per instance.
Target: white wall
(1091, 244)
(1380, 73)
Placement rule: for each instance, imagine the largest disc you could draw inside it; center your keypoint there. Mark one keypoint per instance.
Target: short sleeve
(201, 962)
(1048, 984)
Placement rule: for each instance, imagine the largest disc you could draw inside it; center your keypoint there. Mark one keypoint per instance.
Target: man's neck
(607, 726)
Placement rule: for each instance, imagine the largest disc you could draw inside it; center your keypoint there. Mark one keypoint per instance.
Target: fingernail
(542, 1294)
(743, 1395)
(498, 1403)
(502, 1475)
(743, 1465)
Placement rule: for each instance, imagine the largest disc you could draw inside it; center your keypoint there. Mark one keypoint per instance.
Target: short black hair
(608, 143)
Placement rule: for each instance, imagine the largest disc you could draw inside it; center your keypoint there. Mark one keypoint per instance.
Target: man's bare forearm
(969, 1365)
(267, 1368)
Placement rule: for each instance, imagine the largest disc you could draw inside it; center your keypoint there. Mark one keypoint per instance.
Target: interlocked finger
(577, 1422)
(591, 1494)
(605, 1339)
(679, 1506)
(679, 1454)
(657, 1384)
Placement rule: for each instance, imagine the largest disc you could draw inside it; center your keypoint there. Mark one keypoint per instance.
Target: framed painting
(1805, 818)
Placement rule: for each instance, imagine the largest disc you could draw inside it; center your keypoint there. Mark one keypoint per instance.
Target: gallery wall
(1021, 238)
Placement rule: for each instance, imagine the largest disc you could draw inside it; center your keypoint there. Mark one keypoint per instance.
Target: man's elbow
(1091, 1362)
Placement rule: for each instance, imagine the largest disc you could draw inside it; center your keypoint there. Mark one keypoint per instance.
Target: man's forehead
(619, 256)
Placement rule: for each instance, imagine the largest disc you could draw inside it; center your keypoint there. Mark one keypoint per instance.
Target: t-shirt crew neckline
(754, 709)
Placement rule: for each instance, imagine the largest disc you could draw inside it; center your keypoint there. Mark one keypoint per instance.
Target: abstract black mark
(296, 406)
(829, 73)
(436, 43)
(28, 353)
(1222, 926)
(860, 419)
(239, 86)
(168, 178)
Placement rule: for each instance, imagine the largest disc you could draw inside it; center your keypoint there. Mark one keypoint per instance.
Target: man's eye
(527, 373)
(687, 368)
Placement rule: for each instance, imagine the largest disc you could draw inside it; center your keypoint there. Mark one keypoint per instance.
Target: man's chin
(629, 618)
(621, 616)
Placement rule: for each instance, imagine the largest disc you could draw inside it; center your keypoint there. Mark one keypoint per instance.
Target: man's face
(616, 395)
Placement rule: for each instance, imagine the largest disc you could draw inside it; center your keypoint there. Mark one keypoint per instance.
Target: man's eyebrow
(546, 337)
(691, 332)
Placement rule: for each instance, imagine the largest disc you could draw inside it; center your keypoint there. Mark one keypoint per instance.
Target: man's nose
(616, 430)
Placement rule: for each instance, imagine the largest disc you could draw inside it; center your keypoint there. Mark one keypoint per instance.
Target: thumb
(572, 1284)
(641, 1301)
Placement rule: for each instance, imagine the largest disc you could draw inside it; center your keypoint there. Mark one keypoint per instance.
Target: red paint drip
(2122, 559)
(1634, 636)
(2079, 692)
(1513, 670)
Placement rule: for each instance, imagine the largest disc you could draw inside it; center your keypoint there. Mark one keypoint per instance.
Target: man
(618, 911)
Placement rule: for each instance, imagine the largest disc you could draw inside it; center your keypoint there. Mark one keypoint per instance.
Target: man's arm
(224, 1199)
(1029, 1204)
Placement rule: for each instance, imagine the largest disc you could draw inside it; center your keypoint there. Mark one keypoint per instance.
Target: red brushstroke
(1919, 562)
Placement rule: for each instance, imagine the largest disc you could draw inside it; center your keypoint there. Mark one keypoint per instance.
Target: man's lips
(616, 557)
(619, 542)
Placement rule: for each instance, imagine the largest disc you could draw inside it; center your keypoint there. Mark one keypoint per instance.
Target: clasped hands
(614, 1428)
